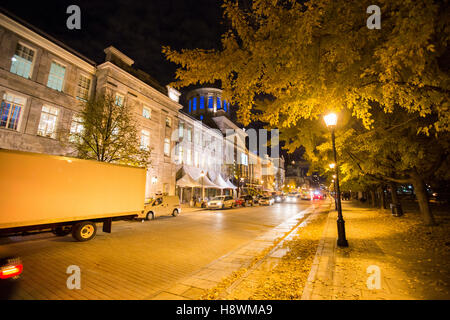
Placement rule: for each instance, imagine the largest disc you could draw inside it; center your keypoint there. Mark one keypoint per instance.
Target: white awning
(230, 185)
(221, 183)
(187, 182)
(206, 183)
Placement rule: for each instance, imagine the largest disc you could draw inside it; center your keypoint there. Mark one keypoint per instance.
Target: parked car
(221, 202)
(248, 200)
(162, 206)
(279, 198)
(266, 201)
(10, 271)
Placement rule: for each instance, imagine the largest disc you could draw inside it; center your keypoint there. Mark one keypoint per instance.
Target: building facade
(44, 85)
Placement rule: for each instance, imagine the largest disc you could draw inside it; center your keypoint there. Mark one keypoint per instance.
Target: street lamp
(202, 174)
(331, 121)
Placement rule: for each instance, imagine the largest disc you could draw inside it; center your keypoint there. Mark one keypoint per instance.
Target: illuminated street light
(332, 165)
(331, 121)
(202, 174)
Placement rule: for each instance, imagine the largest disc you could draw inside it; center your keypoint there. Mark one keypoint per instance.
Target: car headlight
(278, 199)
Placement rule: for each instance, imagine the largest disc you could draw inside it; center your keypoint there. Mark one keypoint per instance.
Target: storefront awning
(187, 182)
(230, 185)
(221, 183)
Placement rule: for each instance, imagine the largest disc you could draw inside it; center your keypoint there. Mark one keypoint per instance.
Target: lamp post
(331, 121)
(202, 174)
(332, 166)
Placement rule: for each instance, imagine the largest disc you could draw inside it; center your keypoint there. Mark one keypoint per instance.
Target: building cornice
(157, 96)
(44, 43)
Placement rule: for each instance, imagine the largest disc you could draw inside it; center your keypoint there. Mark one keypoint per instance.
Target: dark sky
(138, 28)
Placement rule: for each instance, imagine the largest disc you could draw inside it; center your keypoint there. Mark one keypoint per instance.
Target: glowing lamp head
(202, 174)
(330, 119)
(332, 165)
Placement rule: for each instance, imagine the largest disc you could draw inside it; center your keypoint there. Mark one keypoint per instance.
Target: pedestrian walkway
(388, 258)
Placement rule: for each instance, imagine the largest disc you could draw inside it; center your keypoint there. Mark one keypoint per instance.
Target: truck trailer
(66, 195)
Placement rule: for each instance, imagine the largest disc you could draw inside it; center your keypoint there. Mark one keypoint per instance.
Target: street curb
(326, 250)
(287, 237)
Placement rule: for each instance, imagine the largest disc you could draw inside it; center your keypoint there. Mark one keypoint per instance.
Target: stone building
(42, 83)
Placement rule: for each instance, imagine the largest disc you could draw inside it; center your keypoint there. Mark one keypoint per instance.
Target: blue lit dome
(207, 100)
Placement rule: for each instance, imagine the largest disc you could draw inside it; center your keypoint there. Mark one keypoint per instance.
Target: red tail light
(10, 271)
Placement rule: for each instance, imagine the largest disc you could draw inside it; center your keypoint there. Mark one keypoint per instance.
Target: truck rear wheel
(175, 212)
(149, 216)
(84, 231)
(61, 231)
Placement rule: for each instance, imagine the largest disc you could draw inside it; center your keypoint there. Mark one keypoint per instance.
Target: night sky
(138, 28)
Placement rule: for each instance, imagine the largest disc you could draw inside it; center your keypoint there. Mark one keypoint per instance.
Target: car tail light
(9, 271)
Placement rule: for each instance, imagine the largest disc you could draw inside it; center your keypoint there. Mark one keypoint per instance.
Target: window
(195, 104)
(22, 61)
(76, 128)
(147, 113)
(84, 84)
(202, 102)
(218, 103)
(168, 122)
(210, 102)
(119, 100)
(47, 124)
(190, 106)
(189, 134)
(56, 76)
(180, 130)
(167, 147)
(180, 154)
(145, 140)
(196, 159)
(11, 110)
(189, 157)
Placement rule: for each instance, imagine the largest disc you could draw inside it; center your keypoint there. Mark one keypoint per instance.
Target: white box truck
(39, 191)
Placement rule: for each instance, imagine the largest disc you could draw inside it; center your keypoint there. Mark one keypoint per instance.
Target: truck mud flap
(107, 225)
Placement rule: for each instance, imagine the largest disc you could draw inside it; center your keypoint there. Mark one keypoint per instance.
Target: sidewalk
(211, 281)
(413, 259)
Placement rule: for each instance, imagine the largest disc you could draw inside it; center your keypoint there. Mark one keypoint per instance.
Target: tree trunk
(372, 198)
(422, 198)
(394, 197)
(382, 198)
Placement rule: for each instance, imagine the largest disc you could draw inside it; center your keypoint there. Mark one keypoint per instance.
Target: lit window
(210, 102)
(147, 113)
(189, 157)
(84, 84)
(76, 128)
(180, 154)
(168, 122)
(196, 159)
(218, 103)
(56, 76)
(119, 100)
(189, 134)
(167, 147)
(145, 140)
(202, 102)
(190, 106)
(22, 61)
(225, 106)
(195, 104)
(47, 124)
(10, 111)
(180, 130)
